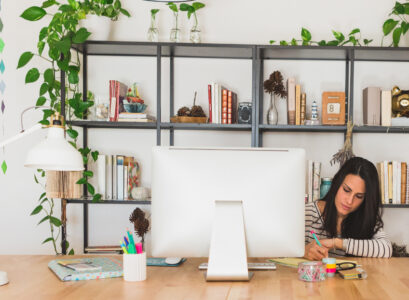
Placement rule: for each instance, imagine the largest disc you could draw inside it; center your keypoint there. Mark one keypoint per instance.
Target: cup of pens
(134, 259)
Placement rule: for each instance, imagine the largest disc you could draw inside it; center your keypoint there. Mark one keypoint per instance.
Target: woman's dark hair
(367, 219)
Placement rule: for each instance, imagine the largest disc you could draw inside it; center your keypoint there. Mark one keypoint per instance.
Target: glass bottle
(272, 113)
(195, 31)
(175, 31)
(153, 32)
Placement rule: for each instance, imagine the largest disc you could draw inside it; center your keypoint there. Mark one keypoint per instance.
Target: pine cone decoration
(274, 84)
(197, 111)
(141, 224)
(184, 111)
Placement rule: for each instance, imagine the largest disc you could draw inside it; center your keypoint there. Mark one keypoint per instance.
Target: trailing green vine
(353, 38)
(399, 27)
(58, 37)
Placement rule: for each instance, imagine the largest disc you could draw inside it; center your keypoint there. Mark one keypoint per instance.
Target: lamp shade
(55, 153)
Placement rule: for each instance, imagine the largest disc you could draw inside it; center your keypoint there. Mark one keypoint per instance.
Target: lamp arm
(27, 109)
(21, 134)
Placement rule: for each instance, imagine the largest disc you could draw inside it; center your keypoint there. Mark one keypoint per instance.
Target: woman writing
(348, 220)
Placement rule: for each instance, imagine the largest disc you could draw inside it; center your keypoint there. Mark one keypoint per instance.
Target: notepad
(294, 261)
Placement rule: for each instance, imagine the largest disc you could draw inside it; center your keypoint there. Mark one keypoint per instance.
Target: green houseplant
(153, 32)
(54, 46)
(191, 10)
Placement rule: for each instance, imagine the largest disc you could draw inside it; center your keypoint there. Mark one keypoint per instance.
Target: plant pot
(100, 27)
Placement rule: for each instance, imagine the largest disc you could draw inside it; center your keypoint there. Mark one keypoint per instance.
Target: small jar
(325, 186)
(311, 271)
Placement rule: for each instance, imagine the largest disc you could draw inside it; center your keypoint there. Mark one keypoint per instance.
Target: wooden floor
(30, 278)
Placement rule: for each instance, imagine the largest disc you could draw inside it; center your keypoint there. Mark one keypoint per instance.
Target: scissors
(345, 266)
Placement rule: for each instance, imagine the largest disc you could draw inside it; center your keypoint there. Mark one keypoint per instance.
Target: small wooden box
(177, 119)
(333, 108)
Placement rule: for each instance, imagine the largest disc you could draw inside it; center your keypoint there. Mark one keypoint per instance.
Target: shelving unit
(257, 54)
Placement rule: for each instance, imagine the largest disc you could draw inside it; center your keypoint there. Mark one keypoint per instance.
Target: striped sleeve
(378, 246)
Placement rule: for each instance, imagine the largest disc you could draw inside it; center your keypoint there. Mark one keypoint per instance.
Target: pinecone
(141, 224)
(197, 111)
(184, 111)
(274, 84)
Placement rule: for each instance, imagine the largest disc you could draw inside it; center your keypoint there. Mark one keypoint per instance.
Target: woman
(348, 220)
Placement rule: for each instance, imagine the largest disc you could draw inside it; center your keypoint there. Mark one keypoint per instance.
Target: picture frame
(333, 108)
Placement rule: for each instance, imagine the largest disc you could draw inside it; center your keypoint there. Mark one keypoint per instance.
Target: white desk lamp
(53, 153)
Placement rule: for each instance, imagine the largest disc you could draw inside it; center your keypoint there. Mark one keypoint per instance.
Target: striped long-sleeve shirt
(378, 246)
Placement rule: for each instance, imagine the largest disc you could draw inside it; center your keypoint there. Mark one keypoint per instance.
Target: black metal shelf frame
(257, 54)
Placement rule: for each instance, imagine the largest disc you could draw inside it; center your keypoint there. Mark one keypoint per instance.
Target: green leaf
(82, 181)
(405, 26)
(48, 240)
(49, 76)
(399, 9)
(53, 53)
(91, 189)
(197, 5)
(65, 8)
(338, 35)
(32, 75)
(72, 133)
(356, 30)
(272, 42)
(88, 173)
(73, 78)
(367, 42)
(4, 167)
(96, 198)
(24, 59)
(81, 35)
(333, 43)
(35, 179)
(94, 155)
(33, 13)
(294, 42)
(55, 221)
(74, 4)
(184, 7)
(125, 12)
(43, 219)
(44, 122)
(36, 210)
(73, 144)
(305, 35)
(389, 25)
(172, 6)
(48, 3)
(41, 101)
(396, 36)
(47, 113)
(43, 33)
(63, 64)
(322, 43)
(117, 4)
(43, 89)
(40, 47)
(283, 43)
(63, 45)
(71, 252)
(42, 196)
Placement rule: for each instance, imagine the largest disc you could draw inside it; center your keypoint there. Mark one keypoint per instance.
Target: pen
(315, 237)
(132, 248)
(123, 247)
(139, 248)
(126, 241)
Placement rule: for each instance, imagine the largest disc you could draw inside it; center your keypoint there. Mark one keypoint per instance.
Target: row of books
(296, 103)
(393, 180)
(117, 176)
(135, 117)
(313, 180)
(222, 104)
(117, 94)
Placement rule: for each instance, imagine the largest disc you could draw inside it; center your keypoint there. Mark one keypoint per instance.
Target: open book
(294, 261)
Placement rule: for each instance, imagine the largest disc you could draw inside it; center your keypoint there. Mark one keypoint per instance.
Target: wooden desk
(30, 278)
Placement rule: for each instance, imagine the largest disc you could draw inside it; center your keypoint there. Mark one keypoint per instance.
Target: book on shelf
(117, 93)
(231, 107)
(224, 106)
(209, 95)
(131, 116)
(372, 106)
(393, 181)
(297, 104)
(138, 120)
(386, 108)
(303, 108)
(101, 162)
(291, 101)
(120, 176)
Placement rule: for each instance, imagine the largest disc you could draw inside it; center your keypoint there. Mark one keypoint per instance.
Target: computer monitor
(228, 204)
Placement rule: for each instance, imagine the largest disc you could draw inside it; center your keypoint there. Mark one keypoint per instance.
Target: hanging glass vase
(153, 32)
(175, 31)
(272, 113)
(195, 32)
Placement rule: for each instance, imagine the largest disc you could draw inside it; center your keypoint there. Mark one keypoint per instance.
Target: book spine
(291, 101)
(403, 183)
(379, 167)
(386, 111)
(398, 181)
(316, 180)
(390, 186)
(125, 183)
(209, 93)
(372, 106)
(386, 181)
(407, 186)
(216, 103)
(298, 104)
(219, 103)
(234, 108)
(101, 175)
(229, 107)
(213, 103)
(112, 100)
(108, 176)
(120, 177)
(114, 177)
(303, 108)
(224, 106)
(133, 177)
(394, 181)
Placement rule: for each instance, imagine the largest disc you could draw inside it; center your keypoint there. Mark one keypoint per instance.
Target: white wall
(221, 22)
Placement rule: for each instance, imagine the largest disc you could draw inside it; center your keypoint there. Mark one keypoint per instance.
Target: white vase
(272, 113)
(100, 27)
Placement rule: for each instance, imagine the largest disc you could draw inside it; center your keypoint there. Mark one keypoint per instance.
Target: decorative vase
(153, 32)
(272, 113)
(175, 31)
(195, 32)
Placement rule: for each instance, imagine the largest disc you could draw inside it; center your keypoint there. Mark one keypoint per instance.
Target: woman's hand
(328, 243)
(315, 252)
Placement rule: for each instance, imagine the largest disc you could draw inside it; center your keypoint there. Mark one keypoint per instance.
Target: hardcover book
(372, 106)
(291, 101)
(117, 93)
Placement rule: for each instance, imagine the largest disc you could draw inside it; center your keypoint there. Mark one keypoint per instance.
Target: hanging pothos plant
(55, 47)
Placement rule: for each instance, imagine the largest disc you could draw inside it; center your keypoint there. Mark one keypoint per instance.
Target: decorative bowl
(134, 107)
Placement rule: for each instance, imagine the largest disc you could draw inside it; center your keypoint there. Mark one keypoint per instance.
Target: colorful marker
(131, 243)
(139, 248)
(315, 237)
(126, 241)
(123, 247)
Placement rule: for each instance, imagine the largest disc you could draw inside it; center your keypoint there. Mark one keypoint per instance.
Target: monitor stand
(228, 255)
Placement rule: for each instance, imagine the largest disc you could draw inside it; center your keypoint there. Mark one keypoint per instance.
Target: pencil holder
(134, 267)
(330, 266)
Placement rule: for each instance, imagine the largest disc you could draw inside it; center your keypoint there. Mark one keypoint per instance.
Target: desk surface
(30, 278)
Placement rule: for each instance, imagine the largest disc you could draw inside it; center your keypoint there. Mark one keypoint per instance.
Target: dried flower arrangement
(274, 85)
(346, 152)
(141, 224)
(195, 111)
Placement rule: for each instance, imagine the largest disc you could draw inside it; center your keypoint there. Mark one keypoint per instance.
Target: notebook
(294, 261)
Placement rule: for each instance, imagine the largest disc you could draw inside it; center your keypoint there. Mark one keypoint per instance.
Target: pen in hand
(315, 237)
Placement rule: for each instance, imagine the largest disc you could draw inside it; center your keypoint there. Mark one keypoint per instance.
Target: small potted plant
(191, 10)
(275, 87)
(153, 32)
(175, 31)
